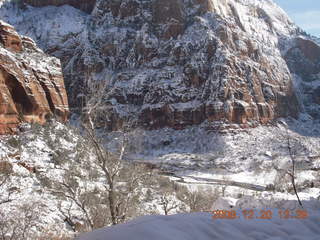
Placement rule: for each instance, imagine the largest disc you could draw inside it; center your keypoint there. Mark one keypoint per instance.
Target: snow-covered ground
(201, 226)
(31, 170)
(238, 162)
(234, 164)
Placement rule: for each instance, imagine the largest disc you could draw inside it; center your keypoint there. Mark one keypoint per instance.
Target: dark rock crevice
(21, 100)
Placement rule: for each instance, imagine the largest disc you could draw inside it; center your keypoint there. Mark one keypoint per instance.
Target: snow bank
(201, 226)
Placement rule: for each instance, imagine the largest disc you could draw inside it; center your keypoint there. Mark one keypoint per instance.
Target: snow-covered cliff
(31, 82)
(182, 62)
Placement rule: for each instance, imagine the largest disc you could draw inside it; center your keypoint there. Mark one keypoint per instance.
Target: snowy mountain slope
(38, 168)
(32, 161)
(205, 60)
(238, 147)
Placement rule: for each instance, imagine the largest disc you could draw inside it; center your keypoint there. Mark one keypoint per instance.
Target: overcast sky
(305, 13)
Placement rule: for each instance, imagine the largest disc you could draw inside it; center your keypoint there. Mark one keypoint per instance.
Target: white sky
(305, 13)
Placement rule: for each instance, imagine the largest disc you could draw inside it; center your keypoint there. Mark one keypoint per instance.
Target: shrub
(14, 142)
(6, 168)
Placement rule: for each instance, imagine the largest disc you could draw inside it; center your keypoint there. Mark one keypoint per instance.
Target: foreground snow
(201, 226)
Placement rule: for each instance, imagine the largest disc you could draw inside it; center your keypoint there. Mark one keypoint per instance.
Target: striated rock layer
(84, 5)
(31, 83)
(174, 63)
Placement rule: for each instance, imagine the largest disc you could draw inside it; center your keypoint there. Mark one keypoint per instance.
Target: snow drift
(201, 226)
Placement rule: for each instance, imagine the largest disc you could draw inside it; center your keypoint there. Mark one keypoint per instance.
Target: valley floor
(239, 165)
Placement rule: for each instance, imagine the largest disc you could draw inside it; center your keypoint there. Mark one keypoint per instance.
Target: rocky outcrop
(174, 63)
(169, 16)
(84, 5)
(31, 83)
(184, 62)
(9, 38)
(303, 59)
(316, 95)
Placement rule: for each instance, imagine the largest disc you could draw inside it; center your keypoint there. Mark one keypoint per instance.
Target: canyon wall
(175, 63)
(31, 83)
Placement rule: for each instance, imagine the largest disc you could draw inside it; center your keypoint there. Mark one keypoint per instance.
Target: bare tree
(292, 172)
(121, 180)
(11, 229)
(198, 200)
(5, 171)
(118, 183)
(163, 191)
(5, 199)
(78, 196)
(115, 171)
(175, 197)
(168, 203)
(292, 148)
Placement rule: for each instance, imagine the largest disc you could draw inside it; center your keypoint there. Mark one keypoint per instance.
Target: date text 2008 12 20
(250, 214)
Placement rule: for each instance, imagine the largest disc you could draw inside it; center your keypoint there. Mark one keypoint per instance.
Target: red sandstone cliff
(31, 83)
(176, 63)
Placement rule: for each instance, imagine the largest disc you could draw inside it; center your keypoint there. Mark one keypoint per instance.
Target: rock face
(174, 63)
(303, 59)
(84, 5)
(9, 38)
(31, 83)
